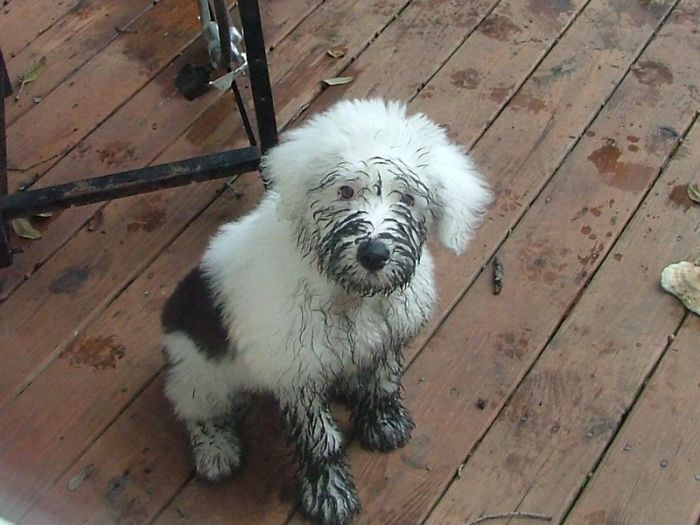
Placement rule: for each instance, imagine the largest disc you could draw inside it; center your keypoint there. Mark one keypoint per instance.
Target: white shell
(683, 280)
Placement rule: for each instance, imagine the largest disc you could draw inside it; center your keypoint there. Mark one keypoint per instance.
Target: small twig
(516, 514)
(39, 163)
(497, 275)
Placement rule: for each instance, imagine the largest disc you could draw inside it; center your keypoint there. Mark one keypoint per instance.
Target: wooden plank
(538, 129)
(50, 129)
(650, 474)
(22, 22)
(592, 77)
(133, 222)
(259, 472)
(68, 45)
(546, 440)
(193, 494)
(101, 370)
(30, 480)
(135, 315)
(125, 497)
(136, 134)
(86, 30)
(577, 393)
(133, 246)
(133, 137)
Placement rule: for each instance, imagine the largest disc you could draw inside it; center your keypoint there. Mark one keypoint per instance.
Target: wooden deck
(573, 394)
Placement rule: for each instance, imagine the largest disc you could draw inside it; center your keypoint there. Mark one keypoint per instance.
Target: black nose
(372, 255)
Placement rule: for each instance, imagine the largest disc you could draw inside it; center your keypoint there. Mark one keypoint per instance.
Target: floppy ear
(462, 196)
(285, 168)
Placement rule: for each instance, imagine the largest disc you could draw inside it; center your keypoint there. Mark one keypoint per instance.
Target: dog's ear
(462, 196)
(285, 168)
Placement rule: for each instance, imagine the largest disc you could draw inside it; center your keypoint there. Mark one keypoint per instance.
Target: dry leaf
(337, 81)
(23, 228)
(44, 215)
(694, 192)
(336, 52)
(75, 481)
(33, 72)
(30, 75)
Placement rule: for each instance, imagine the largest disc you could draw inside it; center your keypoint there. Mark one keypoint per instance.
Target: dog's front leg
(328, 493)
(381, 420)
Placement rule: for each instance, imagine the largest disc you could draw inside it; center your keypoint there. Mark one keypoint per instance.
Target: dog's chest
(346, 332)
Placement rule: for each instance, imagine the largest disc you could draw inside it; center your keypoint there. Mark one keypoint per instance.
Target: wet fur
(280, 303)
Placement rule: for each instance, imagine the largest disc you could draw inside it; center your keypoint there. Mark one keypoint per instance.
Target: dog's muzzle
(372, 254)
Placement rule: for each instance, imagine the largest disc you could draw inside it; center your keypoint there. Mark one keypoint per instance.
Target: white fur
(301, 312)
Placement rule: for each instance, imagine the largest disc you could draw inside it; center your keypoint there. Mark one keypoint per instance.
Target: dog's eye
(407, 199)
(346, 192)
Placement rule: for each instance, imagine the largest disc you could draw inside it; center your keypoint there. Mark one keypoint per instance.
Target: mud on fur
(318, 291)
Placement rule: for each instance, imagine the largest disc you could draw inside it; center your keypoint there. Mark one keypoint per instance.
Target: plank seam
(554, 332)
(623, 418)
(556, 169)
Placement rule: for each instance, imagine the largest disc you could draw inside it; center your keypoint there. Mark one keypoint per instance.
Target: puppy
(318, 291)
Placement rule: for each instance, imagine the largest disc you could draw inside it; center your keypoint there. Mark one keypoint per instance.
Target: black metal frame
(123, 184)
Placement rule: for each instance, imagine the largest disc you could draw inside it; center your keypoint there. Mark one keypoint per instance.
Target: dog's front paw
(328, 495)
(216, 450)
(384, 427)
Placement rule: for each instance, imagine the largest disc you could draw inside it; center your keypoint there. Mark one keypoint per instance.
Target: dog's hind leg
(328, 494)
(203, 398)
(380, 418)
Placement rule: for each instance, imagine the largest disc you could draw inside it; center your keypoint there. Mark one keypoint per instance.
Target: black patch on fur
(191, 309)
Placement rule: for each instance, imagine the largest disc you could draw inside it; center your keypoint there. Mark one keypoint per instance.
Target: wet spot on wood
(70, 280)
(564, 68)
(679, 197)
(542, 263)
(499, 27)
(590, 133)
(527, 101)
(589, 260)
(98, 352)
(632, 138)
(117, 153)
(633, 148)
(116, 486)
(426, 92)
(652, 73)
(414, 454)
(508, 201)
(500, 94)
(149, 218)
(581, 213)
(617, 257)
(466, 78)
(511, 346)
(515, 462)
(586, 230)
(626, 176)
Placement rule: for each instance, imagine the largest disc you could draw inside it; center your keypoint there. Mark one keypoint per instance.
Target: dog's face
(363, 183)
(367, 224)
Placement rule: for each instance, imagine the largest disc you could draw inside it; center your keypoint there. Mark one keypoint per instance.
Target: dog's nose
(372, 254)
